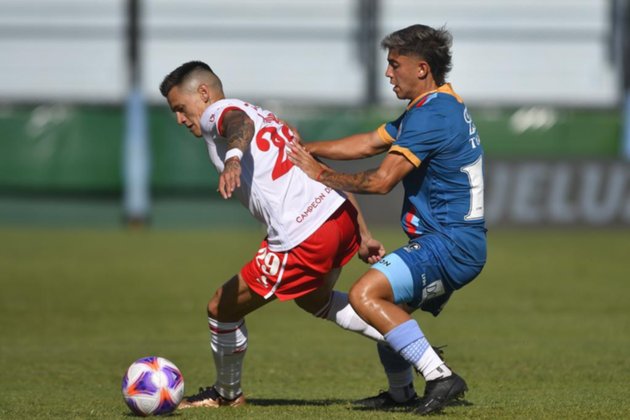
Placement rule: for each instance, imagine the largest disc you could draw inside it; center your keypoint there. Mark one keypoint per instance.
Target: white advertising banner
(537, 192)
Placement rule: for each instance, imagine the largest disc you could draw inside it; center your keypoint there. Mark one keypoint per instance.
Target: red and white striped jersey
(290, 204)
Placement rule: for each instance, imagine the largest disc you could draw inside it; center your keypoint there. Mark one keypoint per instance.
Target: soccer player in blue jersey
(434, 149)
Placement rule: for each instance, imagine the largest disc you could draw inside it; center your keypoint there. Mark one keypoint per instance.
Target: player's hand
(230, 178)
(300, 157)
(371, 251)
(294, 132)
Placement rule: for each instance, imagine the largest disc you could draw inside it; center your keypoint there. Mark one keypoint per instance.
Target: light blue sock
(408, 340)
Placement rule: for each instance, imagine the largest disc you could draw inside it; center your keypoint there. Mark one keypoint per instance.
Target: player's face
(188, 108)
(404, 72)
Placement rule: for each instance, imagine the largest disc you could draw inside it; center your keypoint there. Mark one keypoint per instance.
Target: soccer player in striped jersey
(434, 149)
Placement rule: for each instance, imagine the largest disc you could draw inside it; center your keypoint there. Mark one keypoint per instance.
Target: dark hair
(433, 45)
(178, 75)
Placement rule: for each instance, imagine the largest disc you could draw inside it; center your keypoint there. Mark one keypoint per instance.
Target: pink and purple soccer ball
(152, 386)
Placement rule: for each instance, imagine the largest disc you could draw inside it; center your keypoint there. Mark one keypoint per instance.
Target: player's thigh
(374, 287)
(233, 300)
(315, 300)
(417, 276)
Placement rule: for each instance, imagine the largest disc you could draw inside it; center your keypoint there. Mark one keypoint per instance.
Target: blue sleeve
(392, 127)
(423, 133)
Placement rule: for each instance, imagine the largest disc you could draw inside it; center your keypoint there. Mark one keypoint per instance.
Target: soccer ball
(153, 385)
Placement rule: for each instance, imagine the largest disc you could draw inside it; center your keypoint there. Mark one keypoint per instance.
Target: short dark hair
(433, 45)
(178, 75)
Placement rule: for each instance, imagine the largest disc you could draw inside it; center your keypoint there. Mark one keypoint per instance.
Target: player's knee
(358, 298)
(365, 296)
(213, 305)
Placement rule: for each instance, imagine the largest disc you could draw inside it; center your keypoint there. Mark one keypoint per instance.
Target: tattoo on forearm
(231, 164)
(239, 130)
(355, 183)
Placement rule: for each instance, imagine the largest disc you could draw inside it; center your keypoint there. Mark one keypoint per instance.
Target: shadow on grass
(270, 402)
(280, 402)
(409, 408)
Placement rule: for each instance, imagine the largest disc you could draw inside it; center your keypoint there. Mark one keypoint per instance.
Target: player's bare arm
(374, 181)
(370, 250)
(357, 146)
(238, 128)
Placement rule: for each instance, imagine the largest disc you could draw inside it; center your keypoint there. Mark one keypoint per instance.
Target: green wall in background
(78, 148)
(59, 147)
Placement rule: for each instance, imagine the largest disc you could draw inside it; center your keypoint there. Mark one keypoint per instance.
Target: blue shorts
(423, 273)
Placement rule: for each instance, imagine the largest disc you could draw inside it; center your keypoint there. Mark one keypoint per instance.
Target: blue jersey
(444, 193)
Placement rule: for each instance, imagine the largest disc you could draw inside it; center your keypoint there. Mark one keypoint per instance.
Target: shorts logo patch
(433, 290)
(412, 246)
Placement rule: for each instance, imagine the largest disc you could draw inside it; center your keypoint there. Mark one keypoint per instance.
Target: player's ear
(204, 92)
(423, 69)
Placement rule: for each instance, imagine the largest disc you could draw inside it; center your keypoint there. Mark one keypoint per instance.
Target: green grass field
(544, 332)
